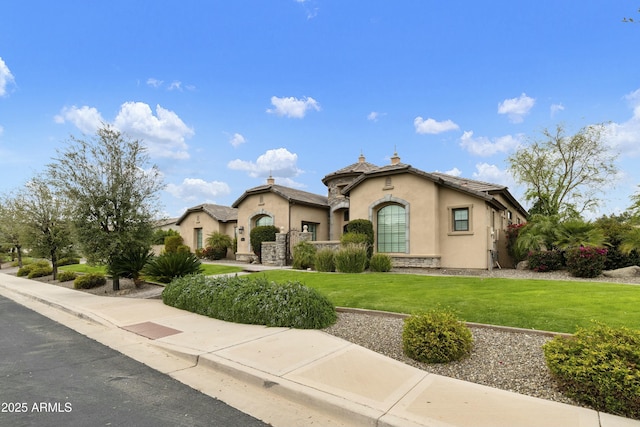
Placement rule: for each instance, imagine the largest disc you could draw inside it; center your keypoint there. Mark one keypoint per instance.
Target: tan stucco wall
(195, 220)
(429, 206)
(278, 208)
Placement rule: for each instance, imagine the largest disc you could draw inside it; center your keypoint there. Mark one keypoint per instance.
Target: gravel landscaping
(512, 361)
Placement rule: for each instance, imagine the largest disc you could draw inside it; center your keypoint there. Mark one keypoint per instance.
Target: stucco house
(286, 208)
(420, 219)
(427, 220)
(198, 222)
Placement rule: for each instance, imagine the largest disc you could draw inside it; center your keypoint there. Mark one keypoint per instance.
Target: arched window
(392, 229)
(264, 220)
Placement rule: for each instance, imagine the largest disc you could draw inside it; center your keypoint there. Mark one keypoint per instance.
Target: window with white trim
(392, 229)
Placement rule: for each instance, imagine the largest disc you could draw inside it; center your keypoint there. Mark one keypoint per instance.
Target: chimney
(395, 159)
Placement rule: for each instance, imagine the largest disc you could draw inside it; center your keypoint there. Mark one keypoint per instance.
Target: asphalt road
(51, 375)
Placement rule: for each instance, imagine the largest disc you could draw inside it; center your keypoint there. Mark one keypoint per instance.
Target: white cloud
(432, 126)
(454, 172)
(278, 163)
(292, 107)
(175, 85)
(493, 174)
(154, 82)
(237, 140)
(1, 130)
(164, 134)
(555, 108)
(374, 116)
(6, 77)
(625, 137)
(195, 189)
(87, 119)
(483, 146)
(516, 108)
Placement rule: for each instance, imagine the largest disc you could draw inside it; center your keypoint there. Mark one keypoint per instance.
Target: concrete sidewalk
(290, 377)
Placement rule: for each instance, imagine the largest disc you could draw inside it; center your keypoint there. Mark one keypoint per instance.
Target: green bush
(170, 265)
(219, 244)
(159, 236)
(262, 233)
(381, 263)
(599, 366)
(68, 261)
(172, 243)
(362, 226)
(351, 258)
(26, 269)
(66, 276)
(40, 272)
(251, 301)
(586, 261)
(304, 254)
(88, 281)
(543, 261)
(436, 336)
(325, 260)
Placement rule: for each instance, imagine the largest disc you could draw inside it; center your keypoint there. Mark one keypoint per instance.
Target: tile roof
(289, 194)
(217, 212)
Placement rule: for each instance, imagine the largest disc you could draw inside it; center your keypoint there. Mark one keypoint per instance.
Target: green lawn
(558, 306)
(209, 269)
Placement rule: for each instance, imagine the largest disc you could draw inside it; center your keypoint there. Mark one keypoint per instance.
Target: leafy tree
(45, 221)
(114, 196)
(564, 173)
(12, 226)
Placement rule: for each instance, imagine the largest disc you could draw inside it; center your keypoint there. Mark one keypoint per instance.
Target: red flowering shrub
(543, 261)
(586, 261)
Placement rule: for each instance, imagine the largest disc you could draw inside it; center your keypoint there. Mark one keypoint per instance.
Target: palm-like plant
(130, 263)
(575, 233)
(630, 241)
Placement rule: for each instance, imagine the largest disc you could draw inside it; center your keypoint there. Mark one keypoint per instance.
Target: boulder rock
(632, 271)
(522, 265)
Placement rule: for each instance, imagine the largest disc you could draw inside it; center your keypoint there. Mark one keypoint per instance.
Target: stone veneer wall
(403, 261)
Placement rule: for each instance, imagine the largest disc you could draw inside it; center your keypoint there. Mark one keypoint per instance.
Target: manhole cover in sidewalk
(151, 330)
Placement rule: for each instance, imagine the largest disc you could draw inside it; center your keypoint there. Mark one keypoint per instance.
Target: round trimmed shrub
(304, 254)
(325, 260)
(172, 243)
(66, 276)
(89, 281)
(380, 263)
(26, 269)
(599, 366)
(40, 272)
(251, 301)
(586, 261)
(436, 336)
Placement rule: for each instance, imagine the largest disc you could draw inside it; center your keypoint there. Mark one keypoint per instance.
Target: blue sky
(225, 92)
